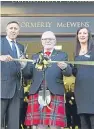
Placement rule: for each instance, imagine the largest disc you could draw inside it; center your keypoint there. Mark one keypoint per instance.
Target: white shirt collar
(10, 39)
(10, 43)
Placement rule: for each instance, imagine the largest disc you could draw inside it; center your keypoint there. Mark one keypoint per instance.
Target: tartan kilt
(53, 117)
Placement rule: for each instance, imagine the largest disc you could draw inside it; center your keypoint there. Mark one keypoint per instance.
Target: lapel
(8, 47)
(20, 48)
(9, 50)
(54, 52)
(53, 55)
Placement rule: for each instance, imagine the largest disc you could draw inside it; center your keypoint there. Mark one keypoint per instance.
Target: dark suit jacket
(10, 72)
(84, 84)
(53, 74)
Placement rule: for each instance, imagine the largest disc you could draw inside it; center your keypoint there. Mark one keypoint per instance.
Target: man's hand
(23, 64)
(6, 58)
(62, 65)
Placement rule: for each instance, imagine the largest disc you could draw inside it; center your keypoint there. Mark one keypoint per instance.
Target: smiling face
(48, 40)
(12, 30)
(83, 36)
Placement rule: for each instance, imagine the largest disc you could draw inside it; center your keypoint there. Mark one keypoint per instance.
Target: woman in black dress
(84, 84)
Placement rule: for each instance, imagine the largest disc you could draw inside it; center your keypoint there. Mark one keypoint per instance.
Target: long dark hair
(90, 41)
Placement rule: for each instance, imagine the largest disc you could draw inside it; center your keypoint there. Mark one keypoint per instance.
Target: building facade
(63, 18)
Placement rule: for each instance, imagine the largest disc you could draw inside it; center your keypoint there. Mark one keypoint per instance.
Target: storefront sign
(56, 24)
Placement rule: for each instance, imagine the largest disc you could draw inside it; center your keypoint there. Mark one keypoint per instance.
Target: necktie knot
(48, 53)
(13, 41)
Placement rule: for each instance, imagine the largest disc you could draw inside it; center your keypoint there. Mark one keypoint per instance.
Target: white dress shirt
(23, 64)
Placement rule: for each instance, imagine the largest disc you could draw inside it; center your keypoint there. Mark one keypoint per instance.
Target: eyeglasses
(48, 39)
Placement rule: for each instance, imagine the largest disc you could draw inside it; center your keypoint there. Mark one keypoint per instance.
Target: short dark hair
(90, 41)
(13, 22)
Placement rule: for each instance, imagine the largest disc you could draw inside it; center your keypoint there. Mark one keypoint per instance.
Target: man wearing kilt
(46, 96)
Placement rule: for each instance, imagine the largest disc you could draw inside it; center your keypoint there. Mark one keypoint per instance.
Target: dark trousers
(73, 118)
(68, 115)
(76, 120)
(69, 123)
(87, 121)
(23, 112)
(12, 108)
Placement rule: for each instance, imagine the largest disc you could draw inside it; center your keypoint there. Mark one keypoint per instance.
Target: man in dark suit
(11, 90)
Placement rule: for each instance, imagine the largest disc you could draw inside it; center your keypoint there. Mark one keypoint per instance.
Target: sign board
(59, 25)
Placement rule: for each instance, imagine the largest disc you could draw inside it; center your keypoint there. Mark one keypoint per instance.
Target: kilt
(53, 117)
